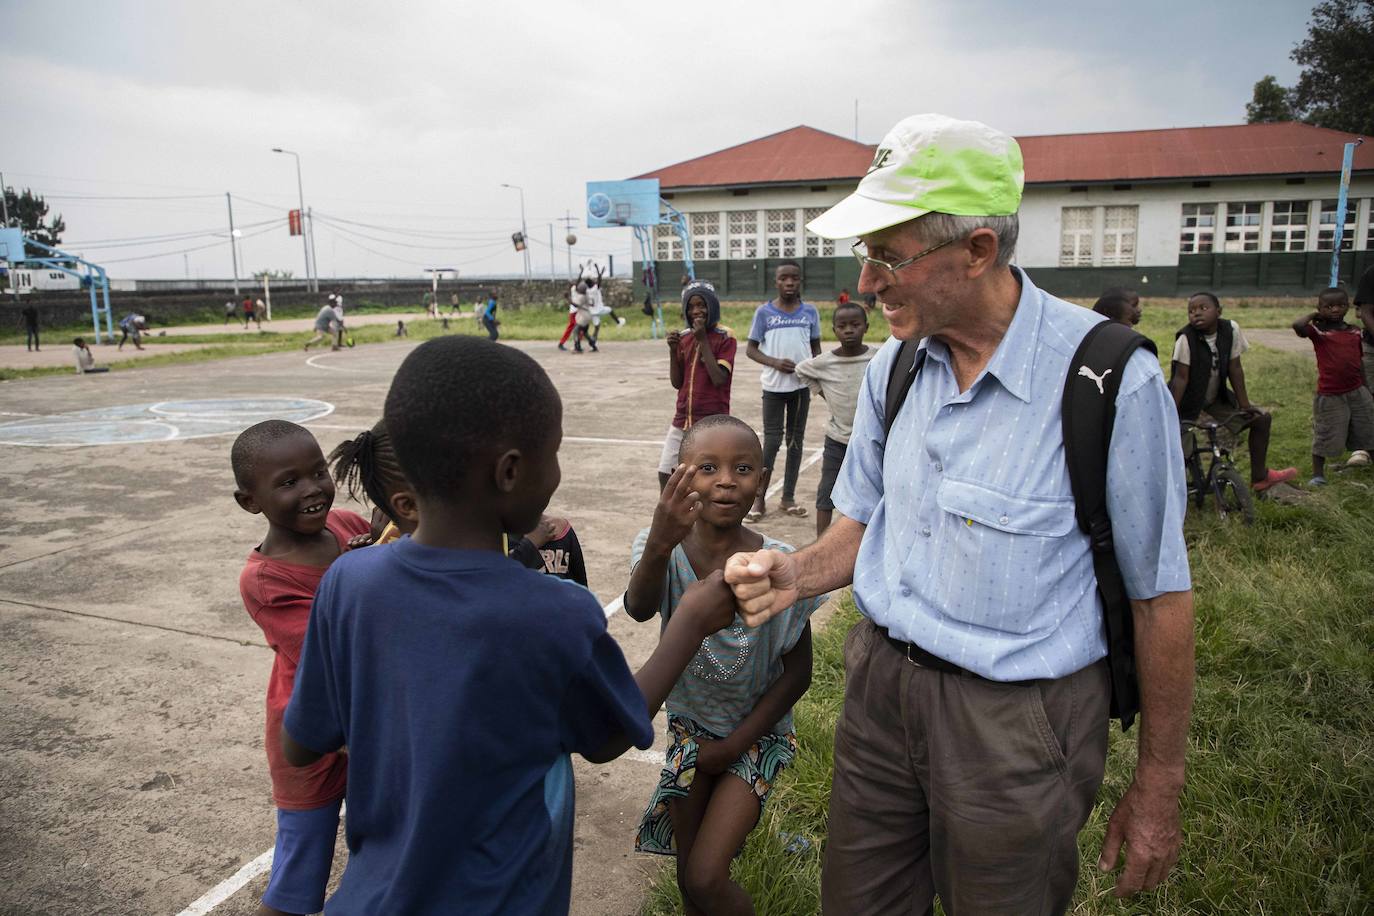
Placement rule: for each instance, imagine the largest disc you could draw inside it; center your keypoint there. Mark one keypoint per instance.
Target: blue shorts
(302, 858)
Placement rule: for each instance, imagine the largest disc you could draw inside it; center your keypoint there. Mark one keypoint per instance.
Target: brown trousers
(956, 786)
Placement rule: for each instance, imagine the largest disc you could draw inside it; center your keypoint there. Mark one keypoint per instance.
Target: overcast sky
(409, 120)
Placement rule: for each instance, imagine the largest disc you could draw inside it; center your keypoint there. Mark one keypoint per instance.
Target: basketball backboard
(622, 203)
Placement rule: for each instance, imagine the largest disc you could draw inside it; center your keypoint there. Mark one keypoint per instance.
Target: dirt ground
(132, 776)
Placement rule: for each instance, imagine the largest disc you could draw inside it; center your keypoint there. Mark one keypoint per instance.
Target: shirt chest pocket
(973, 503)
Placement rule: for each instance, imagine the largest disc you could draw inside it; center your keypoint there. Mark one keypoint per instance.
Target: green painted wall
(1268, 273)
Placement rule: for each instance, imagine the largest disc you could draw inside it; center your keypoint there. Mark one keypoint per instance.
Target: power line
(163, 254)
(131, 241)
(127, 196)
(409, 244)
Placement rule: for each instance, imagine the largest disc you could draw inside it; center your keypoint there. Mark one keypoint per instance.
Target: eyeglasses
(860, 251)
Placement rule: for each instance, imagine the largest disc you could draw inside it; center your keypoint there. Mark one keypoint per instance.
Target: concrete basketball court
(132, 775)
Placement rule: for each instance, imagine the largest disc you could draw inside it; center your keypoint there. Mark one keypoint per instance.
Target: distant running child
(326, 325)
(459, 680)
(280, 473)
(837, 376)
(730, 713)
(785, 331)
(1343, 409)
(489, 317)
(132, 325)
(250, 313)
(1206, 359)
(701, 363)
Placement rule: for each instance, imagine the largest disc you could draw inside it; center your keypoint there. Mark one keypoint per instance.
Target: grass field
(1277, 813)
(1162, 317)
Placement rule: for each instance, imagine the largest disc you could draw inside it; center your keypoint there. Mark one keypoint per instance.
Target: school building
(1242, 210)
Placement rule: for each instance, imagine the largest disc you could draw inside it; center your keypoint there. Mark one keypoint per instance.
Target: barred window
(667, 246)
(1288, 229)
(1198, 224)
(817, 247)
(705, 236)
(781, 234)
(1326, 225)
(1076, 237)
(1118, 236)
(1243, 227)
(744, 234)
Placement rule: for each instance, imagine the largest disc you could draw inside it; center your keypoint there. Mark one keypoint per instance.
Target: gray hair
(934, 228)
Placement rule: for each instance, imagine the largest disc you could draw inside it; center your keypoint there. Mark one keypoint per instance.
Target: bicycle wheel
(1233, 495)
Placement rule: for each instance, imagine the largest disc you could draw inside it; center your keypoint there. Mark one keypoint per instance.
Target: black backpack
(1089, 410)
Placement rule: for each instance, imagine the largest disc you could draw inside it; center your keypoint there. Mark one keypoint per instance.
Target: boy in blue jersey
(785, 331)
(459, 680)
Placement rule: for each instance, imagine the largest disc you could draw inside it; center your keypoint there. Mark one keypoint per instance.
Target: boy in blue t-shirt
(460, 680)
(785, 331)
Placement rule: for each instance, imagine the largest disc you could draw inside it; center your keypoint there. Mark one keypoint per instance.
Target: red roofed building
(1244, 208)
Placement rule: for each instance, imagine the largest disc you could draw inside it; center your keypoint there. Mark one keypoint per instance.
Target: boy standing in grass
(701, 364)
(1343, 409)
(459, 680)
(280, 473)
(837, 376)
(1198, 383)
(785, 331)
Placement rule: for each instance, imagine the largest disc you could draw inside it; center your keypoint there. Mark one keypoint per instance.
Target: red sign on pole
(293, 220)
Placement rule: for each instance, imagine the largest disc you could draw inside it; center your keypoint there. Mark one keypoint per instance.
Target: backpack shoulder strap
(910, 358)
(1089, 415)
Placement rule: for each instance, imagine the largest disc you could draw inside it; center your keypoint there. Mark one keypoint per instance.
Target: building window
(1288, 231)
(1118, 236)
(705, 236)
(744, 234)
(667, 246)
(817, 247)
(1076, 236)
(781, 235)
(1326, 225)
(1369, 232)
(1198, 226)
(1243, 227)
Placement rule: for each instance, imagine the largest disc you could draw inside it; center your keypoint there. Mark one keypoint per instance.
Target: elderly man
(973, 736)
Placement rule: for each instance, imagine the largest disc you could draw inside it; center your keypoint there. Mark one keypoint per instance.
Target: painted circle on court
(161, 421)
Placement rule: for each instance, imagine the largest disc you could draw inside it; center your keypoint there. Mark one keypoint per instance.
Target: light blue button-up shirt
(971, 547)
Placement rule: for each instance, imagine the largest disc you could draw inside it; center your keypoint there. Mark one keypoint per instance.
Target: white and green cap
(929, 163)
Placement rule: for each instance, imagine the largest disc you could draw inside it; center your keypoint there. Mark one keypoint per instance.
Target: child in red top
(701, 363)
(281, 474)
(1343, 410)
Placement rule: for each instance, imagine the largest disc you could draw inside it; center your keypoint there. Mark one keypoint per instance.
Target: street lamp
(523, 231)
(300, 195)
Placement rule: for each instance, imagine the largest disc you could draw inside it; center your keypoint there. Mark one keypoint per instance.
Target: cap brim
(857, 215)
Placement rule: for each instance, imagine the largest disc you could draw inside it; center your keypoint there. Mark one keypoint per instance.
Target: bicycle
(1220, 479)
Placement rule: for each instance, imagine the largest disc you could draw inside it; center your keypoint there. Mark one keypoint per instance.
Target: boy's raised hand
(699, 329)
(673, 338)
(678, 506)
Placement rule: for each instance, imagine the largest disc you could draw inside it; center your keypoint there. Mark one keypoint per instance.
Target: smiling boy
(281, 474)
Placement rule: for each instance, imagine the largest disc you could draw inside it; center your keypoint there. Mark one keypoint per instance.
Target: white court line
(314, 365)
(815, 456)
(229, 886)
(15, 413)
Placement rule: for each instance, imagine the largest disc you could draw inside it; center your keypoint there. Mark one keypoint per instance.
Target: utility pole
(567, 222)
(314, 261)
(310, 284)
(4, 200)
(552, 272)
(233, 243)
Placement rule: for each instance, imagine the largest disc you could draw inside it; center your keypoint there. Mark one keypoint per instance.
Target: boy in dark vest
(1202, 348)
(1343, 410)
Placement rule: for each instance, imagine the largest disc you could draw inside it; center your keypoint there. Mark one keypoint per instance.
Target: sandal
(795, 511)
(751, 516)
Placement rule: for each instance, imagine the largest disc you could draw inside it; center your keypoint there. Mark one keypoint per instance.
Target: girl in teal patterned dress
(730, 714)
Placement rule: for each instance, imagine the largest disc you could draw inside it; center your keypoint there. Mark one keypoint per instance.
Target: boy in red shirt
(1343, 410)
(701, 363)
(281, 474)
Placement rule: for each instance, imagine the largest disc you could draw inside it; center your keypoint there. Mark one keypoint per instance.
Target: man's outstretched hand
(764, 583)
(1148, 822)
